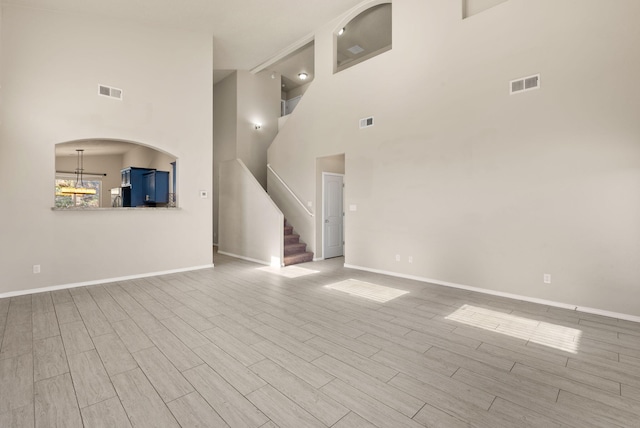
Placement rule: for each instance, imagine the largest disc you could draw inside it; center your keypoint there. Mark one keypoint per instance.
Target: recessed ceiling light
(341, 32)
(303, 76)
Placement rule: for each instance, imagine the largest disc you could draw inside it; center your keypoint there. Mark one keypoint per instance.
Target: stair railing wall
(275, 174)
(250, 224)
(294, 210)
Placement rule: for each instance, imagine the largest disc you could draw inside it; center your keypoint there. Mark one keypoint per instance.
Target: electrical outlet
(36, 268)
(410, 259)
(397, 257)
(547, 278)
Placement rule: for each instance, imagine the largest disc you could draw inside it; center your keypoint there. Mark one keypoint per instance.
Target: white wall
(251, 225)
(146, 157)
(258, 102)
(240, 101)
(482, 188)
(225, 118)
(52, 66)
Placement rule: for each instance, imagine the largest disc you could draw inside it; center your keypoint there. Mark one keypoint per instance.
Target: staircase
(294, 251)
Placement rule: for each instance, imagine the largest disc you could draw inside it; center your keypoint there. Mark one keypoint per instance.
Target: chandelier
(79, 188)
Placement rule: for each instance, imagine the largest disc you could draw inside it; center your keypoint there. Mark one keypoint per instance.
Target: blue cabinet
(144, 187)
(156, 187)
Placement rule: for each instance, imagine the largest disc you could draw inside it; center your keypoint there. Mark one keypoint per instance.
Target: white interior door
(332, 216)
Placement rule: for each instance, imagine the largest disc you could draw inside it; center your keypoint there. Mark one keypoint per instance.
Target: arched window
(366, 35)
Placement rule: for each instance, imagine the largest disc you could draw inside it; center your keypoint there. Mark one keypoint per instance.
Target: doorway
(332, 215)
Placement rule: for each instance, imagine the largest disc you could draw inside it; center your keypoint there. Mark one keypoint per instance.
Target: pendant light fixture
(80, 188)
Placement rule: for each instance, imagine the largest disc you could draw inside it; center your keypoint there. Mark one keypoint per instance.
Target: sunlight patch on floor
(288, 271)
(375, 292)
(543, 333)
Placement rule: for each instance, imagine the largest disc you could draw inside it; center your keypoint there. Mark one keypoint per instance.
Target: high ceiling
(245, 32)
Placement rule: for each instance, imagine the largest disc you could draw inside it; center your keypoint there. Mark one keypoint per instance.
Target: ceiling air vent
(524, 84)
(366, 122)
(108, 91)
(355, 49)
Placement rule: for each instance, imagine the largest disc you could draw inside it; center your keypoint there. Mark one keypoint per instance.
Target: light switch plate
(353, 207)
(204, 194)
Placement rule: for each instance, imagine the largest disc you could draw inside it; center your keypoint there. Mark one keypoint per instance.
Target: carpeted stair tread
(291, 239)
(294, 250)
(291, 249)
(298, 258)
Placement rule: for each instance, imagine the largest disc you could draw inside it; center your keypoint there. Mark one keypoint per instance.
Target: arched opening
(365, 36)
(106, 173)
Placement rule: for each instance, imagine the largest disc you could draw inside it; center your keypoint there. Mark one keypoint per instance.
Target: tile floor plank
(114, 355)
(232, 370)
(106, 414)
(49, 358)
(164, 377)
(232, 406)
(321, 406)
(17, 340)
(386, 393)
(67, 312)
(131, 335)
(281, 410)
(187, 334)
(141, 402)
(367, 365)
(75, 338)
(299, 367)
(524, 417)
(370, 409)
(55, 403)
(177, 352)
(352, 420)
(192, 318)
(22, 417)
(232, 346)
(189, 348)
(16, 382)
(90, 379)
(300, 349)
(42, 302)
(45, 324)
(193, 411)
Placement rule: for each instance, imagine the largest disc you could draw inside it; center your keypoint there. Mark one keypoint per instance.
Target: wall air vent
(366, 122)
(524, 84)
(108, 91)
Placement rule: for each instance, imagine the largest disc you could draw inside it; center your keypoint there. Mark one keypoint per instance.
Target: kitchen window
(81, 200)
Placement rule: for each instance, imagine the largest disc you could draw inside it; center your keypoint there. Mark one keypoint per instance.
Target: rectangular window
(65, 199)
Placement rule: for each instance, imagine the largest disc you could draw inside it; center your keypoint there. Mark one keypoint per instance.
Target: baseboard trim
(101, 281)
(552, 303)
(249, 259)
(608, 314)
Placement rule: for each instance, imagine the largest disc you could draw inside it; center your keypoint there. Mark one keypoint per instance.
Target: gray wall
(482, 188)
(52, 64)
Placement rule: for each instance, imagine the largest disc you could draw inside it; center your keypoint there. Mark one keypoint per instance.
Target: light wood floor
(242, 346)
